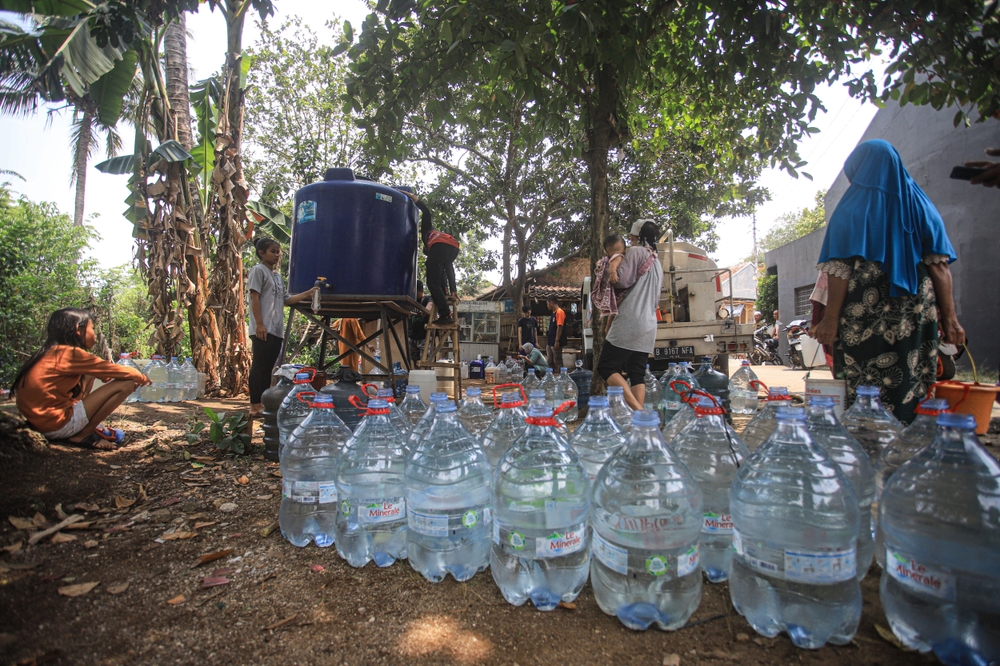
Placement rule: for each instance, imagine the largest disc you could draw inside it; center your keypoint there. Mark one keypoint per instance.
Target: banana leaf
(272, 221)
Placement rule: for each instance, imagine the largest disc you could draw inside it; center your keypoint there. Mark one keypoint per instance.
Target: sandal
(93, 442)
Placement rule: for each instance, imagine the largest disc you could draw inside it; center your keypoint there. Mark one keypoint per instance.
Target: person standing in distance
(526, 328)
(557, 334)
(268, 298)
(441, 250)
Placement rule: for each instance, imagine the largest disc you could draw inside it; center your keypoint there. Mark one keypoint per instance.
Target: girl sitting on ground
(53, 388)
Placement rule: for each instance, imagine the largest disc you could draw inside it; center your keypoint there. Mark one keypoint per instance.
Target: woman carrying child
(605, 299)
(53, 388)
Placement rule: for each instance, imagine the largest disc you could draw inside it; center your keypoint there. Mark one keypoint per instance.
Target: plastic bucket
(835, 388)
(427, 381)
(975, 399)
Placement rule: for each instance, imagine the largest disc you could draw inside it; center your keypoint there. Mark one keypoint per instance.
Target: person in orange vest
(441, 250)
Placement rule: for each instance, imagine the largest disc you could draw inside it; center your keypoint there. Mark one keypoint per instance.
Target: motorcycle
(794, 332)
(765, 348)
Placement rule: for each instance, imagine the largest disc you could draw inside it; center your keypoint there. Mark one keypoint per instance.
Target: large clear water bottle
(831, 435)
(531, 381)
(870, 422)
(941, 523)
(911, 440)
(667, 375)
(502, 374)
(686, 372)
(309, 476)
(742, 390)
(175, 381)
(654, 394)
(763, 424)
(126, 360)
(371, 522)
(673, 394)
(474, 415)
(412, 406)
(620, 411)
(156, 372)
(395, 415)
(713, 455)
(795, 531)
(421, 426)
(646, 520)
(541, 511)
(294, 409)
(505, 428)
(447, 489)
(569, 392)
(553, 391)
(598, 437)
(537, 399)
(682, 419)
(190, 374)
(516, 371)
(713, 382)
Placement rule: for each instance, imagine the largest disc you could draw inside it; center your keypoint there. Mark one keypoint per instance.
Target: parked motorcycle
(794, 332)
(765, 348)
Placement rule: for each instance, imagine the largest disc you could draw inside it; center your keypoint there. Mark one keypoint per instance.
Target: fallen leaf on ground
(263, 497)
(141, 494)
(14, 547)
(671, 660)
(213, 581)
(118, 588)
(211, 557)
(90, 544)
(276, 473)
(115, 466)
(18, 566)
(179, 599)
(171, 501)
(59, 512)
(87, 507)
(59, 537)
(270, 528)
(203, 458)
(316, 568)
(39, 520)
(567, 604)
(173, 536)
(79, 526)
(77, 590)
(244, 480)
(21, 523)
(48, 578)
(222, 572)
(198, 526)
(281, 623)
(123, 503)
(38, 536)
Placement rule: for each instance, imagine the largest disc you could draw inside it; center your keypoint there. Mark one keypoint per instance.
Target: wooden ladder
(442, 339)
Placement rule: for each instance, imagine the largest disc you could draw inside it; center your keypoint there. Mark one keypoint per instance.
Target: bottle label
(611, 556)
(761, 558)
(717, 523)
(919, 576)
(327, 492)
(446, 524)
(671, 406)
(819, 567)
(382, 510)
(688, 562)
(657, 565)
(309, 492)
(562, 542)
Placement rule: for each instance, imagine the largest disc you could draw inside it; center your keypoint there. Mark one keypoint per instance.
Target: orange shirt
(45, 396)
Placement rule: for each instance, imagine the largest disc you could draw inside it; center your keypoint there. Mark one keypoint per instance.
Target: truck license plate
(673, 352)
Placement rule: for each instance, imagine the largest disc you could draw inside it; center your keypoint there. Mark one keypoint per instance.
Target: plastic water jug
(541, 512)
(447, 490)
(713, 455)
(190, 374)
(506, 427)
(295, 407)
(646, 520)
(412, 406)
(537, 398)
(552, 388)
(567, 387)
(342, 392)
(940, 520)
(489, 372)
(763, 424)
(156, 372)
(398, 419)
(831, 435)
(598, 437)
(371, 522)
(743, 390)
(126, 360)
(673, 386)
(531, 381)
(620, 411)
(582, 378)
(911, 440)
(713, 382)
(654, 394)
(309, 476)
(795, 532)
(272, 399)
(870, 422)
(473, 414)
(421, 426)
(175, 381)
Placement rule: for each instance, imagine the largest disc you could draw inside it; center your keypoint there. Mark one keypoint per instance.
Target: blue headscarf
(885, 217)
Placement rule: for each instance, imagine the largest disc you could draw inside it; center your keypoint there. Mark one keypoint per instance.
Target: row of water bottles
(171, 382)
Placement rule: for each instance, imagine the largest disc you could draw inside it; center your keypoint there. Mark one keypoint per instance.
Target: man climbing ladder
(441, 249)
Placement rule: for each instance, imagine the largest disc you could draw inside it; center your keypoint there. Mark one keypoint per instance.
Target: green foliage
(121, 303)
(43, 270)
(767, 295)
(226, 432)
(791, 226)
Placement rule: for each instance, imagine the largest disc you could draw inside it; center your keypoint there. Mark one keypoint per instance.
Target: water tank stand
(442, 339)
(388, 311)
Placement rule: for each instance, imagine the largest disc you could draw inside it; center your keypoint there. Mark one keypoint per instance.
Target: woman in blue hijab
(886, 254)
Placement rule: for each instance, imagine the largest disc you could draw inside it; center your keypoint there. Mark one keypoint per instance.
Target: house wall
(795, 266)
(930, 146)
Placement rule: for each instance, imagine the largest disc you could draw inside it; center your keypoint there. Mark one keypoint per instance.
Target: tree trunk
(202, 325)
(84, 139)
(230, 223)
(601, 135)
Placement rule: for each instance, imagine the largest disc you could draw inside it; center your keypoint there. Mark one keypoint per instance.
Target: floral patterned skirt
(887, 342)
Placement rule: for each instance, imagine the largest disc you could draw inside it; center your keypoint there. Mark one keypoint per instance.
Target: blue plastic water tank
(359, 235)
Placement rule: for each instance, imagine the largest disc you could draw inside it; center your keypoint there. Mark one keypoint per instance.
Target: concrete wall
(795, 266)
(930, 146)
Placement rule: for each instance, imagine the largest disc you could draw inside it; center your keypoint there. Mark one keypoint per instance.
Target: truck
(695, 317)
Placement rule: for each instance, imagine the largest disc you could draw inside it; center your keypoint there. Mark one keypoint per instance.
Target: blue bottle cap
(473, 392)
(645, 417)
(173, 358)
(706, 359)
(539, 411)
(413, 389)
(868, 390)
(821, 400)
(744, 362)
(445, 407)
(671, 365)
(302, 375)
(548, 371)
(535, 393)
(375, 403)
(188, 359)
(791, 414)
(562, 370)
(960, 421)
(509, 397)
(935, 404)
(438, 397)
(322, 398)
(778, 390)
(616, 390)
(599, 401)
(385, 392)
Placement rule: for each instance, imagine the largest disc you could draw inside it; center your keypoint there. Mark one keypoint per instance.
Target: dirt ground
(153, 508)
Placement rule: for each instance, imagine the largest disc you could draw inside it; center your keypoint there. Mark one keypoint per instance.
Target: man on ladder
(441, 249)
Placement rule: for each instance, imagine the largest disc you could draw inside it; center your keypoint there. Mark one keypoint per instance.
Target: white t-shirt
(273, 295)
